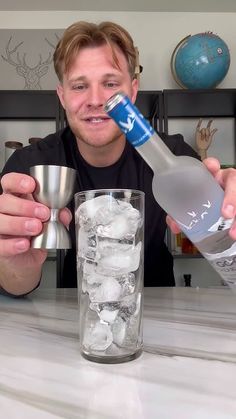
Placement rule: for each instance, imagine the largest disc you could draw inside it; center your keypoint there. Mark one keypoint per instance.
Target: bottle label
(220, 251)
(204, 218)
(131, 122)
(209, 231)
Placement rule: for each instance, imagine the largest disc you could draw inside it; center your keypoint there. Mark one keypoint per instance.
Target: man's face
(91, 81)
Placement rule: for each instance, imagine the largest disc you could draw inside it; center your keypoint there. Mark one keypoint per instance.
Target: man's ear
(135, 87)
(60, 94)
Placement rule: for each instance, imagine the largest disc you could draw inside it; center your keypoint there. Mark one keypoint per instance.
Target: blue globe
(200, 61)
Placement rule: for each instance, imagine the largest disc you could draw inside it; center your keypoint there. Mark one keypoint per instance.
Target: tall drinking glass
(110, 248)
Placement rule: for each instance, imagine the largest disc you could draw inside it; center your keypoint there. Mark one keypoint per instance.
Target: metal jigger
(54, 188)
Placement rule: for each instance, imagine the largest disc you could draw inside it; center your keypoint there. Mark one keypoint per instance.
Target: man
(92, 63)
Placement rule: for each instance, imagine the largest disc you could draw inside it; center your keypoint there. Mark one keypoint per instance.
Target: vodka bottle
(183, 187)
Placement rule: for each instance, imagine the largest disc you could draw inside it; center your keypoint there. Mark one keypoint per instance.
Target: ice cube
(87, 244)
(125, 333)
(98, 337)
(106, 247)
(131, 214)
(108, 316)
(108, 290)
(118, 221)
(126, 312)
(132, 332)
(105, 215)
(130, 307)
(110, 305)
(121, 262)
(85, 214)
(89, 267)
(107, 312)
(116, 229)
(94, 278)
(118, 329)
(127, 283)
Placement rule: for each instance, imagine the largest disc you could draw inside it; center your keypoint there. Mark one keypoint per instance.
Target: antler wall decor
(31, 74)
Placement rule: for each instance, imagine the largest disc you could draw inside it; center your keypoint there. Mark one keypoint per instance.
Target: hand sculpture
(203, 138)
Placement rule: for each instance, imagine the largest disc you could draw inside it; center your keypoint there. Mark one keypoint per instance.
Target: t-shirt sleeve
(17, 162)
(178, 146)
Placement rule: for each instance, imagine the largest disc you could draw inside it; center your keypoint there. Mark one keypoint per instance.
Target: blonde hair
(85, 34)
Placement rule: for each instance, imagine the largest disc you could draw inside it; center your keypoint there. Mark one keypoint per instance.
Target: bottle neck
(156, 154)
(140, 133)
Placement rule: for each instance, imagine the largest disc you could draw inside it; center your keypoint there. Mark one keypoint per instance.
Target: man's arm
(15, 282)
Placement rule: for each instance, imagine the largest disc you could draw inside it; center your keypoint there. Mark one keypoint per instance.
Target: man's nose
(96, 97)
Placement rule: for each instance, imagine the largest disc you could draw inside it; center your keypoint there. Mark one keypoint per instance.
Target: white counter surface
(187, 369)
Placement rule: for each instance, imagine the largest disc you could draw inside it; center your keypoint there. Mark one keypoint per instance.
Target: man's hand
(21, 218)
(227, 179)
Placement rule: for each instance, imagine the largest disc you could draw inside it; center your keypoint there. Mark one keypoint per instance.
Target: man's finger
(213, 131)
(209, 123)
(199, 124)
(13, 246)
(65, 216)
(17, 183)
(12, 205)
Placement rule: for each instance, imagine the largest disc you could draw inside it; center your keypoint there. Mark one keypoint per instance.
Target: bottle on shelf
(180, 245)
(10, 147)
(183, 187)
(188, 247)
(187, 280)
(177, 243)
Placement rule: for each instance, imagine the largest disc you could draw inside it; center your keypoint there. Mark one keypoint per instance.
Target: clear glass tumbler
(110, 248)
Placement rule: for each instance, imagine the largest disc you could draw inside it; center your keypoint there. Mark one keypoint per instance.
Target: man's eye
(78, 87)
(111, 84)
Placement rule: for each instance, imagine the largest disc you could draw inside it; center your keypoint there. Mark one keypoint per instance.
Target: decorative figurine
(203, 138)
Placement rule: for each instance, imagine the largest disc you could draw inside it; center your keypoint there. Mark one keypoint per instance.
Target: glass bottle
(183, 187)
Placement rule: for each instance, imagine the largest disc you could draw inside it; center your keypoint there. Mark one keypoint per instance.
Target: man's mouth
(96, 119)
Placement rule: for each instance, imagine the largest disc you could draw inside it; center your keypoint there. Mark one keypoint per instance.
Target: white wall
(156, 35)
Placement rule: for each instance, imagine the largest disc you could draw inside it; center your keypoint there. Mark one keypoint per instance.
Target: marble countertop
(187, 369)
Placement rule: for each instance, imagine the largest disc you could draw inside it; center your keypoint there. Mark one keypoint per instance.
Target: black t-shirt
(131, 172)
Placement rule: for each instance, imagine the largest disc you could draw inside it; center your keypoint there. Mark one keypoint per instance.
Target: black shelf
(150, 104)
(217, 103)
(29, 105)
(186, 256)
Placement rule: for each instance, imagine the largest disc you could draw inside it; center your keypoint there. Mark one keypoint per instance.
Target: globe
(200, 61)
